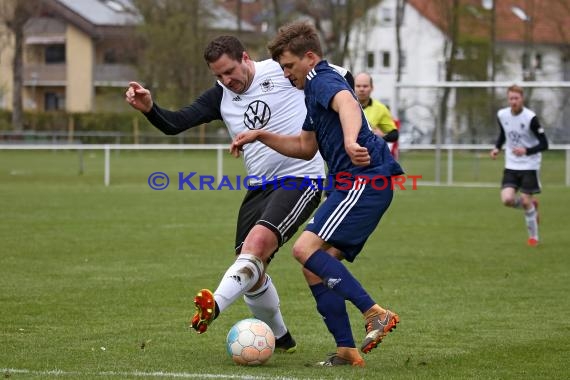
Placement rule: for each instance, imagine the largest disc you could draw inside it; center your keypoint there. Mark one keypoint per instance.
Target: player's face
(515, 102)
(236, 76)
(295, 69)
(362, 87)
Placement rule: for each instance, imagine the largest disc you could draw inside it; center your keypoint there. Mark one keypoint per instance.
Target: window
(370, 60)
(525, 61)
(538, 61)
(385, 59)
(566, 67)
(54, 101)
(110, 56)
(55, 54)
(386, 15)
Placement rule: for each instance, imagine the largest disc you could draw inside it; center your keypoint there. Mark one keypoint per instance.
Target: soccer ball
(250, 342)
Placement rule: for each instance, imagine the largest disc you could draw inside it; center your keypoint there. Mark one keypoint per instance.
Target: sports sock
(241, 276)
(531, 224)
(264, 305)
(332, 307)
(336, 277)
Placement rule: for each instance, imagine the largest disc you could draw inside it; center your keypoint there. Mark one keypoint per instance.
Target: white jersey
(271, 103)
(519, 134)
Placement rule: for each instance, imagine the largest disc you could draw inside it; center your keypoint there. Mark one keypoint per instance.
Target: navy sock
(337, 277)
(332, 308)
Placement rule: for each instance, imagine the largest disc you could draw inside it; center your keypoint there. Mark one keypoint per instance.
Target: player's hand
(240, 140)
(358, 154)
(519, 151)
(138, 97)
(494, 153)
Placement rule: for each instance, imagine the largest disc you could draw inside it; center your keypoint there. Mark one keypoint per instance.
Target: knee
(260, 242)
(508, 201)
(300, 252)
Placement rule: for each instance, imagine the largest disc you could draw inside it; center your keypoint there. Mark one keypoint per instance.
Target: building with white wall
(532, 43)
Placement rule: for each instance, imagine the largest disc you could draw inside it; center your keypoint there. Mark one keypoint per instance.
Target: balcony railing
(105, 75)
(45, 75)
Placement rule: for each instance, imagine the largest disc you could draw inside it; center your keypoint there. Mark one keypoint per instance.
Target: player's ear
(312, 57)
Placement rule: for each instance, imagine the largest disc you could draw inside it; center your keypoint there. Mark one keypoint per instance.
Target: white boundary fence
(222, 148)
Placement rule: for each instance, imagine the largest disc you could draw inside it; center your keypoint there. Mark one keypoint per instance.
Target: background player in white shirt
(525, 139)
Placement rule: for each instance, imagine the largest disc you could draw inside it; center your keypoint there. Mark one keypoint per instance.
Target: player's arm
(500, 141)
(388, 126)
(350, 115)
(303, 146)
(540, 135)
(203, 110)
(391, 136)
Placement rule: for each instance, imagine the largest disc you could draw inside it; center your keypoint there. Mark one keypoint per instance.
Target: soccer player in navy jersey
(525, 140)
(336, 127)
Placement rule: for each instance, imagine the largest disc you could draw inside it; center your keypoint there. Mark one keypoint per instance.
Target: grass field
(97, 282)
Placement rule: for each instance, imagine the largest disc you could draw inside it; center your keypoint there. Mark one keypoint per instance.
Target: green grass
(97, 282)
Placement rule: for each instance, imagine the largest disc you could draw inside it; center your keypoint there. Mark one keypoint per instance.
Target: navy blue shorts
(349, 216)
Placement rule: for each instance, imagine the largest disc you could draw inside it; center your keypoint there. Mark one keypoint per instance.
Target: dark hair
(297, 38)
(224, 45)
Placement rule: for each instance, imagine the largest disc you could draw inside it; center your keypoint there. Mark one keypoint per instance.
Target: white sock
(531, 224)
(241, 276)
(264, 305)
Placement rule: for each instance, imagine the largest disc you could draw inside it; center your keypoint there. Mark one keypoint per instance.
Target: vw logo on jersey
(515, 138)
(257, 115)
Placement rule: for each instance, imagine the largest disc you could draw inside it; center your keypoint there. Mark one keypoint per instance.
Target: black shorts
(524, 180)
(282, 209)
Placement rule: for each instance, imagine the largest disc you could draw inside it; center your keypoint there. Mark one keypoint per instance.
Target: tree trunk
(18, 80)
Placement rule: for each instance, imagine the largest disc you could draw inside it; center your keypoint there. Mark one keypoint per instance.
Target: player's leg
(246, 271)
(531, 185)
(287, 208)
(509, 186)
(332, 307)
(345, 220)
(241, 276)
(264, 304)
(275, 214)
(509, 198)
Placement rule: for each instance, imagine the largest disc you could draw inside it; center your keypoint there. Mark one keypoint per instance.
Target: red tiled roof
(549, 19)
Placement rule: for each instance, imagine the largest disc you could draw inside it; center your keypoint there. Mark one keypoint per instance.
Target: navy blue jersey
(322, 84)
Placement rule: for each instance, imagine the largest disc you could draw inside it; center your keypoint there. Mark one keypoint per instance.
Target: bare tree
(400, 14)
(14, 15)
(451, 14)
(333, 19)
(174, 34)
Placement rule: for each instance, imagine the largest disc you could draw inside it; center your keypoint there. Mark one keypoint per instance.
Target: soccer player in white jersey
(249, 95)
(525, 139)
